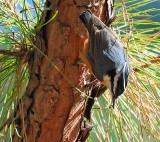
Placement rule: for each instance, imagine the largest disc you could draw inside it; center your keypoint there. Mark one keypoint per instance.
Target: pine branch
(10, 53)
(157, 59)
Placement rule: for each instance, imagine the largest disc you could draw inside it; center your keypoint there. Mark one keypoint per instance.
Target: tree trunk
(52, 108)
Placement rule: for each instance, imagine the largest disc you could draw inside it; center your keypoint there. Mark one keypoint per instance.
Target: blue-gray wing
(107, 53)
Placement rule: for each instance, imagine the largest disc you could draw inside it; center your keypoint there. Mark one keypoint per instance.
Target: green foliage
(17, 21)
(136, 116)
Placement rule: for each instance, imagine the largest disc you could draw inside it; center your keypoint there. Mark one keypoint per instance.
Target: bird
(104, 55)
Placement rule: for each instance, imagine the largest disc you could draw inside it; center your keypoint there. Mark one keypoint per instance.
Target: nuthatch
(105, 56)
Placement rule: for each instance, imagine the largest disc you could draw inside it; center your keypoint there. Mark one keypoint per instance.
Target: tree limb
(10, 53)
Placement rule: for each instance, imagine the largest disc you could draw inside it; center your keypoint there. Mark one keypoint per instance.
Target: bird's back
(107, 53)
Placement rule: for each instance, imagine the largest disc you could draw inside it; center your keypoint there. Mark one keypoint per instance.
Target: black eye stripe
(112, 74)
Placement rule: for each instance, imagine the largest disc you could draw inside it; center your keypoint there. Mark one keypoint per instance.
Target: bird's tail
(86, 17)
(90, 20)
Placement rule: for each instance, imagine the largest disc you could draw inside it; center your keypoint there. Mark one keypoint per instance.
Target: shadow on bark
(52, 109)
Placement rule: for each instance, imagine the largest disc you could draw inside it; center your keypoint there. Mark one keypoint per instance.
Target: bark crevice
(54, 110)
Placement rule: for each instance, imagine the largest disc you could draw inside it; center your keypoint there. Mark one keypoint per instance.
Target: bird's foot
(91, 83)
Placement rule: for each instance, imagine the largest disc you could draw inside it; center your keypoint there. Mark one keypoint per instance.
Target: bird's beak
(113, 101)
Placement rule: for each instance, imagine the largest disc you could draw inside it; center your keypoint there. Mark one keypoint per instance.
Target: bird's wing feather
(107, 53)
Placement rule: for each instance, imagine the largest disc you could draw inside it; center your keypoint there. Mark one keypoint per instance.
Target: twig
(157, 59)
(10, 53)
(7, 122)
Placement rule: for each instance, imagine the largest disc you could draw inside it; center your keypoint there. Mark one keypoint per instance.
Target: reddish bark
(53, 109)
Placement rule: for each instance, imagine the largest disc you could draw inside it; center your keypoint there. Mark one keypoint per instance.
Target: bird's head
(119, 83)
